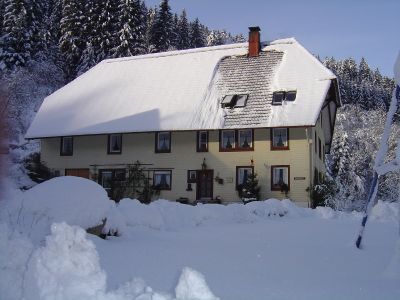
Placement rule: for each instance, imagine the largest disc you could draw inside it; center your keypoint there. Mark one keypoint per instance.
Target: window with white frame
(280, 138)
(114, 143)
(242, 174)
(163, 142)
(280, 178)
(162, 179)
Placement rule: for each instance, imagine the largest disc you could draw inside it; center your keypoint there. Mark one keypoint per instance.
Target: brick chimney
(254, 41)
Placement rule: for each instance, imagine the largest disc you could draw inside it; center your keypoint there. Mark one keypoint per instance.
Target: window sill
(279, 148)
(236, 149)
(163, 151)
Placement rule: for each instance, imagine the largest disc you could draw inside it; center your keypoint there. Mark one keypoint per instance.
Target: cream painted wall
(92, 150)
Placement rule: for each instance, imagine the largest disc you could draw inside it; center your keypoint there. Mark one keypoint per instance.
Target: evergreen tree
(55, 8)
(183, 32)
(72, 42)
(250, 190)
(174, 32)
(2, 8)
(90, 29)
(162, 28)
(196, 36)
(132, 29)
(364, 72)
(217, 37)
(150, 19)
(107, 34)
(15, 43)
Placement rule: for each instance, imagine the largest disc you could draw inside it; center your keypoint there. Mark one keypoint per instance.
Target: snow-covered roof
(182, 90)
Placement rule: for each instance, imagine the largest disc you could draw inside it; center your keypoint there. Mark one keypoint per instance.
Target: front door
(204, 184)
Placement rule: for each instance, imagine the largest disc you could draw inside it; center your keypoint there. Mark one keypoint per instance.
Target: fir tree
(150, 19)
(72, 43)
(15, 43)
(364, 72)
(183, 32)
(174, 33)
(250, 190)
(162, 28)
(132, 29)
(196, 36)
(107, 34)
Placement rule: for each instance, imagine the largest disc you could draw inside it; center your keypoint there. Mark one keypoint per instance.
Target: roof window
(237, 100)
(279, 97)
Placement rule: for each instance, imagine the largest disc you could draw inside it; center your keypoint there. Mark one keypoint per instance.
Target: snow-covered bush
(74, 200)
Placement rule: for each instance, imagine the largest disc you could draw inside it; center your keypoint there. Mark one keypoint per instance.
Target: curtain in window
(228, 139)
(244, 175)
(280, 176)
(163, 141)
(280, 137)
(162, 179)
(245, 138)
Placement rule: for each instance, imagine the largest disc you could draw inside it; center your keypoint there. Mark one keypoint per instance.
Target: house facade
(198, 121)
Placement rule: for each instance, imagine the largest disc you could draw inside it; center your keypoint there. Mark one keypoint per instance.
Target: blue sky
(340, 28)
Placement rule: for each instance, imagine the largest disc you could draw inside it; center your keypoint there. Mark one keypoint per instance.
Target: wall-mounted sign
(299, 178)
(229, 179)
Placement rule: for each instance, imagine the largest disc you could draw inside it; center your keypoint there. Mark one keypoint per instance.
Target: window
(114, 143)
(319, 148)
(280, 96)
(66, 146)
(227, 140)
(202, 141)
(230, 101)
(315, 142)
(191, 176)
(280, 178)
(236, 140)
(162, 179)
(290, 96)
(280, 139)
(108, 179)
(241, 100)
(277, 98)
(242, 174)
(245, 138)
(316, 179)
(163, 142)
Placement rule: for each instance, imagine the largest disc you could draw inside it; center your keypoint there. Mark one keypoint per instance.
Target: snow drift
(76, 201)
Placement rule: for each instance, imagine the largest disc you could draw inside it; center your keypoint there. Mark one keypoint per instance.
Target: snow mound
(74, 200)
(68, 267)
(385, 211)
(167, 215)
(192, 286)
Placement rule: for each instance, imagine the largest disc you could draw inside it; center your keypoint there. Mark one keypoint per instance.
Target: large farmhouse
(199, 121)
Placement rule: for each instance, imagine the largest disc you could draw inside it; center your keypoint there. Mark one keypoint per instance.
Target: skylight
(241, 100)
(280, 96)
(227, 101)
(237, 100)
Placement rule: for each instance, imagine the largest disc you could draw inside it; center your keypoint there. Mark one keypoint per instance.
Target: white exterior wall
(92, 150)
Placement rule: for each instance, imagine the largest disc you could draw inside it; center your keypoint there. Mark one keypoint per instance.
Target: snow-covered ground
(263, 250)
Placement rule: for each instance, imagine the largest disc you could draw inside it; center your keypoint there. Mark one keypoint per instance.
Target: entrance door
(77, 172)
(204, 185)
